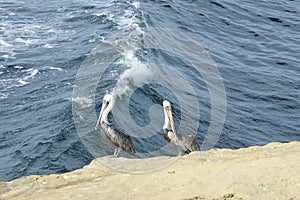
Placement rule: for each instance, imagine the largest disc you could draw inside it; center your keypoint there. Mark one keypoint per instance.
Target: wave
(129, 20)
(16, 76)
(31, 73)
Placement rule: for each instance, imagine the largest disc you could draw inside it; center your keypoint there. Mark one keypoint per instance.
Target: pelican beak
(171, 120)
(104, 105)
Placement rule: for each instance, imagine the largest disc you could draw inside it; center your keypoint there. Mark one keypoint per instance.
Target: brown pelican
(112, 136)
(183, 143)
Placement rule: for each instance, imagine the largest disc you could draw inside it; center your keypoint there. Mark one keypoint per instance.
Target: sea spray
(136, 74)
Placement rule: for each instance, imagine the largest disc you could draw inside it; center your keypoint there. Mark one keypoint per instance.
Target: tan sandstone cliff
(268, 172)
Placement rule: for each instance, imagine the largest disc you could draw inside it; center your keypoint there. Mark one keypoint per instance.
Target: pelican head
(107, 100)
(166, 104)
(168, 113)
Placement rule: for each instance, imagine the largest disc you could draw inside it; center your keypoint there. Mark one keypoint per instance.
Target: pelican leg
(116, 153)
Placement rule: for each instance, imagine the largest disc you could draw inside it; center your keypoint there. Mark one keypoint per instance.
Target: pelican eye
(104, 101)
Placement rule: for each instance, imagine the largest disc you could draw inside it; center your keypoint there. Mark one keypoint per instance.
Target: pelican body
(110, 134)
(183, 143)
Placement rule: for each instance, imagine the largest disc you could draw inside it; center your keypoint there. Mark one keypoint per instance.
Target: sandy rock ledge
(268, 172)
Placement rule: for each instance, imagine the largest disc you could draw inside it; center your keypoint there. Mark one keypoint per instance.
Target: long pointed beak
(171, 120)
(104, 105)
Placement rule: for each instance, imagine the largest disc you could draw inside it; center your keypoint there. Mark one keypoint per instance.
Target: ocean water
(44, 44)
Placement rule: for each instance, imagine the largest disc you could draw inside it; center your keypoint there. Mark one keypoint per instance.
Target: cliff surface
(268, 172)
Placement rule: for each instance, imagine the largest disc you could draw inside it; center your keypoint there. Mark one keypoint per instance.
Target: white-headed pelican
(183, 143)
(111, 135)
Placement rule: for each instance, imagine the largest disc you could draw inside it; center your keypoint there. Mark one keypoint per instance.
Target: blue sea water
(43, 44)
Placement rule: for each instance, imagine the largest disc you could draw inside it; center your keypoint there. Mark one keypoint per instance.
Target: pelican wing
(165, 135)
(117, 138)
(183, 143)
(190, 143)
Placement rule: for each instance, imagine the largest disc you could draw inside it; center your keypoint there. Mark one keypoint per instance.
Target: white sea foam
(18, 67)
(24, 81)
(3, 43)
(136, 5)
(137, 72)
(33, 72)
(3, 96)
(56, 68)
(11, 13)
(6, 56)
(84, 102)
(19, 37)
(127, 21)
(48, 46)
(27, 42)
(134, 76)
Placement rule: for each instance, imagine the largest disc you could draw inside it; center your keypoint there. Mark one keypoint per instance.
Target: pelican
(183, 143)
(111, 135)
